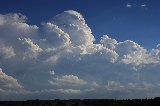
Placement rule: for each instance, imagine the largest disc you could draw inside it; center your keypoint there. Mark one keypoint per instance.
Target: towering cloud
(74, 24)
(80, 67)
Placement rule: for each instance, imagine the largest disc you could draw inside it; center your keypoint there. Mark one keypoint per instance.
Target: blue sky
(68, 49)
(112, 17)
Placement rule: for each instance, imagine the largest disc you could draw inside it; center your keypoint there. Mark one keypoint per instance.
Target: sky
(65, 49)
(137, 22)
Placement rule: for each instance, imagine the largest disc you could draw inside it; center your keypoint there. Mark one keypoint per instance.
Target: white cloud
(55, 36)
(12, 18)
(32, 49)
(155, 54)
(6, 52)
(95, 84)
(108, 42)
(140, 86)
(66, 44)
(114, 86)
(67, 79)
(132, 53)
(65, 91)
(143, 5)
(52, 72)
(73, 23)
(128, 5)
(8, 82)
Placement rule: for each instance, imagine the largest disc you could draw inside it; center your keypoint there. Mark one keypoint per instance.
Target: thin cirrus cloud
(60, 58)
(131, 5)
(143, 5)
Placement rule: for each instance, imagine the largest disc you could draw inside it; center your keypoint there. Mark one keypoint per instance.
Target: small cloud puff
(143, 5)
(128, 5)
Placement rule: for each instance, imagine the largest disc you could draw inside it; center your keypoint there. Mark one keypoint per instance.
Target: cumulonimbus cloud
(66, 45)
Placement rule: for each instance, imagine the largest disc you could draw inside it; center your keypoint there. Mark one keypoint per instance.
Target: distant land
(85, 102)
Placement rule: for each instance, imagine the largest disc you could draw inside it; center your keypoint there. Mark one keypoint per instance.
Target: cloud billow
(80, 67)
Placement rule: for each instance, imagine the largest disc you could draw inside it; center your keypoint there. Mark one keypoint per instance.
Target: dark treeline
(85, 102)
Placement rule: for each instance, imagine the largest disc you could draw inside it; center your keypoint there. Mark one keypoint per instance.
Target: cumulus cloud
(52, 72)
(108, 42)
(32, 49)
(155, 54)
(73, 23)
(128, 87)
(8, 82)
(55, 36)
(67, 79)
(131, 52)
(6, 52)
(60, 56)
(64, 91)
(94, 84)
(113, 85)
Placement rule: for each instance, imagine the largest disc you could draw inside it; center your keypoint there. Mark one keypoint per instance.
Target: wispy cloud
(128, 5)
(143, 5)
(131, 5)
